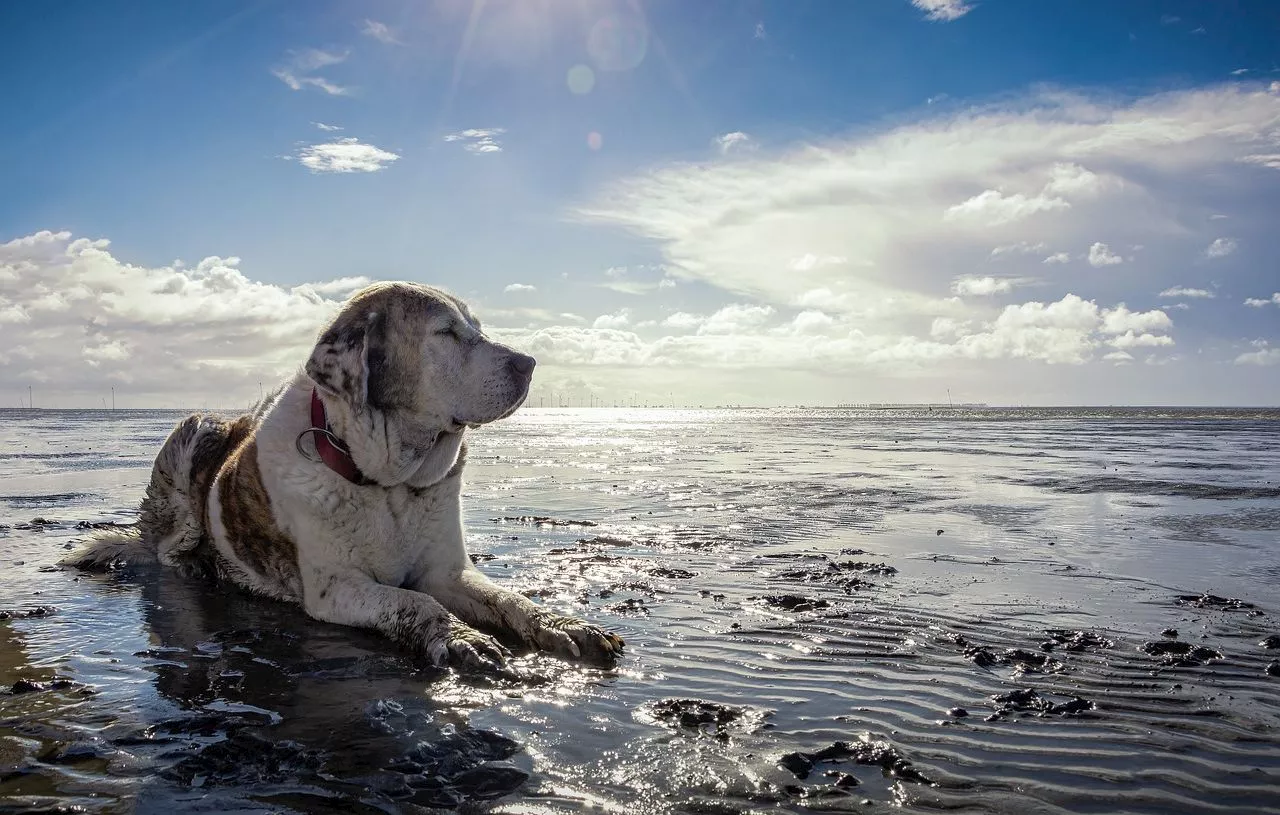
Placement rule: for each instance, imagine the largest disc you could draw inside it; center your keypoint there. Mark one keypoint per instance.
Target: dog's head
(412, 360)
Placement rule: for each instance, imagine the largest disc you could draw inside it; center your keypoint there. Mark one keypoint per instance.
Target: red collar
(331, 449)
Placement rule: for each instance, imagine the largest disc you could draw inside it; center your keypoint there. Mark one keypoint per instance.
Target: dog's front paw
(468, 649)
(573, 638)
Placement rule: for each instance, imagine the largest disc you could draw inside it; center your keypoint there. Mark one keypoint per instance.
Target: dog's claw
(469, 649)
(576, 639)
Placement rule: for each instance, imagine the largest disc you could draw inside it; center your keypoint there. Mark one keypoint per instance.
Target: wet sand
(1023, 613)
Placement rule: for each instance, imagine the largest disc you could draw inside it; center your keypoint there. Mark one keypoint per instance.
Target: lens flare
(581, 79)
(618, 43)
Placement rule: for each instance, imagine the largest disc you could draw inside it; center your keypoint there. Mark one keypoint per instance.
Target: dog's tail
(110, 548)
(172, 521)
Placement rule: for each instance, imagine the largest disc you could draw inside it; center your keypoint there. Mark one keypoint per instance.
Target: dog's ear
(349, 358)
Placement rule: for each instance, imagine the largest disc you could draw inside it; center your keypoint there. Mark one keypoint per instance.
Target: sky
(754, 202)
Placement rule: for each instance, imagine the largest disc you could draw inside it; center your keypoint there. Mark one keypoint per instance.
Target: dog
(341, 492)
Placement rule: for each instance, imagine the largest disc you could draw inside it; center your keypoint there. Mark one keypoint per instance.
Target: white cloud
(945, 327)
(1264, 355)
(478, 140)
(737, 318)
(1183, 291)
(1221, 247)
(1129, 339)
(879, 200)
(760, 33)
(331, 289)
(636, 280)
(297, 70)
(619, 319)
(1268, 160)
(1101, 255)
(809, 261)
(994, 208)
(380, 32)
(734, 141)
(683, 320)
(1260, 302)
(326, 127)
(1073, 181)
(11, 312)
(1019, 248)
(348, 155)
(983, 286)
(519, 288)
(1066, 181)
(205, 334)
(1070, 331)
(1121, 320)
(943, 10)
(1118, 357)
(1057, 257)
(1066, 331)
(311, 59)
(809, 322)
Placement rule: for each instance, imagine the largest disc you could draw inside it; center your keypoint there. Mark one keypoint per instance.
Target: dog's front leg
(412, 619)
(481, 602)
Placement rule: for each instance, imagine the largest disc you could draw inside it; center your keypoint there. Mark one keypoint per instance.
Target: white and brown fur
(403, 371)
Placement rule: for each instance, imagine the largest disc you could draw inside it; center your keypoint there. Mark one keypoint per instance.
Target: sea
(977, 610)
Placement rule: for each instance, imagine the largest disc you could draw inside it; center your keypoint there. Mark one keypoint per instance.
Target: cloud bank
(76, 320)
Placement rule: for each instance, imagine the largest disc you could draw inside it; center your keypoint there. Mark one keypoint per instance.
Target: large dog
(342, 492)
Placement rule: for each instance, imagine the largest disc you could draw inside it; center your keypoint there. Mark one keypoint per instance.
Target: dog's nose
(522, 364)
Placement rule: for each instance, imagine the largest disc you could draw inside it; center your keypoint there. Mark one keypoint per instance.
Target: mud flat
(800, 636)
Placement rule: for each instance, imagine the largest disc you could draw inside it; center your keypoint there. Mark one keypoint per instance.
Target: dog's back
(173, 522)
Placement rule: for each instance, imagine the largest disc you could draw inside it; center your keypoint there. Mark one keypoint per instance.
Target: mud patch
(25, 685)
(1213, 601)
(1021, 660)
(632, 606)
(870, 752)
(468, 764)
(1029, 701)
(1069, 640)
(843, 574)
(541, 521)
(672, 573)
(245, 758)
(27, 613)
(1178, 654)
(711, 719)
(791, 602)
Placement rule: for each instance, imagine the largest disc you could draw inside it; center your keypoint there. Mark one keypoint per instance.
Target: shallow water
(786, 580)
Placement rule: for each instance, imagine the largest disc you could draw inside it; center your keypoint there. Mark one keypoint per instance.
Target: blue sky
(749, 202)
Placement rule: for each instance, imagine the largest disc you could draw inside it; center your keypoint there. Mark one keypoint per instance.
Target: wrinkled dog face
(417, 352)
